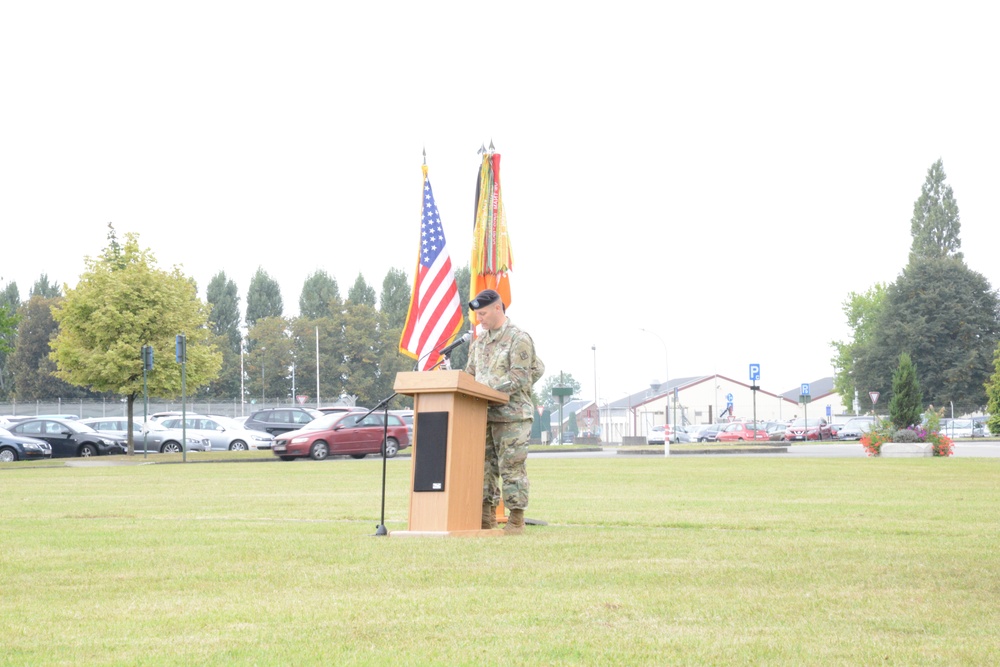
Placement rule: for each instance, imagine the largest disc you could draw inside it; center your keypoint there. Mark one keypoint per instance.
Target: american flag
(435, 314)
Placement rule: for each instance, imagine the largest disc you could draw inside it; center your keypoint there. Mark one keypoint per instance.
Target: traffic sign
(729, 398)
(874, 396)
(754, 372)
(805, 389)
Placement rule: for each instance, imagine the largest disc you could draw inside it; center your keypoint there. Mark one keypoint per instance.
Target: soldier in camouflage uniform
(503, 357)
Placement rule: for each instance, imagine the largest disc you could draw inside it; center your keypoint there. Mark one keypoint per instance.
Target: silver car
(155, 437)
(222, 432)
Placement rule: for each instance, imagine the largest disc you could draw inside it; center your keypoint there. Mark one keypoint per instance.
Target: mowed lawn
(643, 561)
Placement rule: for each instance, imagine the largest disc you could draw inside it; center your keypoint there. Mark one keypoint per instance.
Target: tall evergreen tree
(263, 298)
(361, 293)
(935, 225)
(44, 288)
(905, 406)
(320, 296)
(394, 301)
(32, 369)
(223, 301)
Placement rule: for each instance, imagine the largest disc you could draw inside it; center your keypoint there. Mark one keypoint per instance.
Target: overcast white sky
(720, 174)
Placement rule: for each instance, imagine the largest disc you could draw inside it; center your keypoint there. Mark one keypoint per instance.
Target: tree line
(86, 343)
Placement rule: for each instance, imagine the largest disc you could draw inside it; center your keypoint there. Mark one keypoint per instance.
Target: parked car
(959, 428)
(775, 430)
(657, 435)
(327, 409)
(407, 417)
(814, 429)
(835, 429)
(340, 433)
(221, 432)
(14, 447)
(708, 432)
(741, 431)
(855, 427)
(281, 420)
(155, 437)
(684, 434)
(70, 438)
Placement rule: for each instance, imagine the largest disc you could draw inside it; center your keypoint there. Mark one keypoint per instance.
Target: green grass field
(644, 561)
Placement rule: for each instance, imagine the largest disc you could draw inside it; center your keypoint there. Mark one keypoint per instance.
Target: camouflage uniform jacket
(505, 360)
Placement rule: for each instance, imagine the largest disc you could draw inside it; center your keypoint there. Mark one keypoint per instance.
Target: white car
(959, 428)
(155, 437)
(855, 427)
(222, 432)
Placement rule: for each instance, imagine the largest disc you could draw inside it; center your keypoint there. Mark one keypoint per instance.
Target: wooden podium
(449, 449)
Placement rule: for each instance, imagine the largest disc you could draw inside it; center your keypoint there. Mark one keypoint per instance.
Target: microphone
(464, 338)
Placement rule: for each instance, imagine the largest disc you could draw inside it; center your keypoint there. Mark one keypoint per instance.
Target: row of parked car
(334, 430)
(797, 430)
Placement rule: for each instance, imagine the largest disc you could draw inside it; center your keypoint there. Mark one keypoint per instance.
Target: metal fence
(109, 408)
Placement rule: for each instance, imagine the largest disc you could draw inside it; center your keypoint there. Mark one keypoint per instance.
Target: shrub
(882, 432)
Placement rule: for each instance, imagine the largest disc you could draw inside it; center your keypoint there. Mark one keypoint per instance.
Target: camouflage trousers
(506, 453)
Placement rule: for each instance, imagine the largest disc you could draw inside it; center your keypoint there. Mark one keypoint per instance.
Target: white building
(703, 400)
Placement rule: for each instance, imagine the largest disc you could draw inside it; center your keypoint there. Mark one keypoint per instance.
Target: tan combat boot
(515, 523)
(489, 516)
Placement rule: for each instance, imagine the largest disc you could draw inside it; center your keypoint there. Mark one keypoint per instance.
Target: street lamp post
(262, 376)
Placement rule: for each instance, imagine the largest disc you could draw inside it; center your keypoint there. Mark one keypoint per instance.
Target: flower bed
(941, 445)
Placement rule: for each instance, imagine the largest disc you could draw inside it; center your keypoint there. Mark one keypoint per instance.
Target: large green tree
(947, 318)
(43, 287)
(10, 302)
(270, 362)
(862, 312)
(361, 293)
(320, 296)
(394, 302)
(32, 369)
(263, 298)
(122, 302)
(223, 300)
(224, 309)
(935, 225)
(544, 395)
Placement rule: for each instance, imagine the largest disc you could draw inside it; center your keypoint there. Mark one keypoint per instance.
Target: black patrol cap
(484, 298)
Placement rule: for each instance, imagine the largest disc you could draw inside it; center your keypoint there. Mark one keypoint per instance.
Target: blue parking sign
(805, 389)
(754, 372)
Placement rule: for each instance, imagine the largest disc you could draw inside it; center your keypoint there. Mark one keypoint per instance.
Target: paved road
(983, 449)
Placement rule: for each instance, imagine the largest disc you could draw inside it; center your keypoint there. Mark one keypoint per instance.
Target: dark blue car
(70, 438)
(21, 448)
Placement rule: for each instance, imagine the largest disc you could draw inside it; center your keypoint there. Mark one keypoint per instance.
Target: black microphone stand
(380, 529)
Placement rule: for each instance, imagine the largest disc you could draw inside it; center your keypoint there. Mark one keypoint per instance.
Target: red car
(816, 429)
(340, 433)
(739, 431)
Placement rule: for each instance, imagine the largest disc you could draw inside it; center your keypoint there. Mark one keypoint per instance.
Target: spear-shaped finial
(482, 149)
(492, 150)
